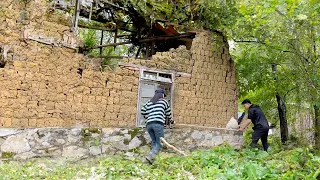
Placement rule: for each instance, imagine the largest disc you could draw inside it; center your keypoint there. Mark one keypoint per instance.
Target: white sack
(232, 124)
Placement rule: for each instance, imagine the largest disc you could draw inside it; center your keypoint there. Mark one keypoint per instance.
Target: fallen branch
(172, 147)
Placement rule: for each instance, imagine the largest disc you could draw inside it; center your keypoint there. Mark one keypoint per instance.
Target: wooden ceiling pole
(76, 16)
(108, 45)
(153, 47)
(90, 14)
(147, 50)
(146, 41)
(95, 27)
(138, 52)
(165, 38)
(115, 36)
(101, 41)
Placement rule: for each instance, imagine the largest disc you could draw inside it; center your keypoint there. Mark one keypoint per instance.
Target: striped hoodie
(157, 112)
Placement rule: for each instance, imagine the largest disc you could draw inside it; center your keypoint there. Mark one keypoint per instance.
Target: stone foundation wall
(86, 142)
(46, 83)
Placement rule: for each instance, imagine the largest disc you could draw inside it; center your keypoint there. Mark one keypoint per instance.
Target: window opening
(150, 81)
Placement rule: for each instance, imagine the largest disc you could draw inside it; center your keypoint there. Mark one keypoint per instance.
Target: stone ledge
(85, 142)
(198, 127)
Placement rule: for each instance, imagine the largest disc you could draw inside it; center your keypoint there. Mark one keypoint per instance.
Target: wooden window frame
(142, 79)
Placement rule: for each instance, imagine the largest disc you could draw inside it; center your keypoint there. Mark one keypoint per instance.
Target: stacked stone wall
(46, 83)
(88, 142)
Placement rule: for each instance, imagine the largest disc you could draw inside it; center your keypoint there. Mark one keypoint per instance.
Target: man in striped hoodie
(155, 112)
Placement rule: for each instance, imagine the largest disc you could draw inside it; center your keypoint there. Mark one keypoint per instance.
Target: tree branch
(248, 41)
(171, 146)
(284, 97)
(296, 51)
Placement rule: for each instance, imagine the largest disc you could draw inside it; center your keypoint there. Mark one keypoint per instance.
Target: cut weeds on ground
(222, 162)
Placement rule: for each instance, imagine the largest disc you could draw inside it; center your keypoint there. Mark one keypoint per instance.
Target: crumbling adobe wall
(209, 96)
(45, 83)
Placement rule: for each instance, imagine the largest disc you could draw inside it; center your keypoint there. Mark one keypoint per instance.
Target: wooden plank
(95, 27)
(147, 40)
(138, 52)
(125, 35)
(111, 44)
(172, 95)
(104, 28)
(186, 39)
(113, 57)
(43, 41)
(85, 13)
(90, 14)
(154, 70)
(166, 38)
(203, 127)
(152, 48)
(172, 30)
(167, 32)
(138, 102)
(76, 16)
(147, 50)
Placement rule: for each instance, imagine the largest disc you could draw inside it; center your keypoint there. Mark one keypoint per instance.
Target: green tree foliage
(216, 15)
(285, 33)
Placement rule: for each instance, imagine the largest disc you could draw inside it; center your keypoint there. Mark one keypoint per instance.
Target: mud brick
(61, 95)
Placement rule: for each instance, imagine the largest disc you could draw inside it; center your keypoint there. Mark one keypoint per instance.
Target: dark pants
(155, 131)
(260, 134)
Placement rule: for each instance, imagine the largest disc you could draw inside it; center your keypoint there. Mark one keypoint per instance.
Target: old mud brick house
(44, 82)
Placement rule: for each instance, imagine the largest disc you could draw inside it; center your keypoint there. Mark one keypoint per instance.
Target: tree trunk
(281, 110)
(317, 126)
(283, 118)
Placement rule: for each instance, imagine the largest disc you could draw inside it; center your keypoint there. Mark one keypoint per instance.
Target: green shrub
(222, 162)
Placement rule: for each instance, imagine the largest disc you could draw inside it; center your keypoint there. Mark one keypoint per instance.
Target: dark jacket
(257, 117)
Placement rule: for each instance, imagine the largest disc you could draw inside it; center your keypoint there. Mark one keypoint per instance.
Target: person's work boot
(149, 158)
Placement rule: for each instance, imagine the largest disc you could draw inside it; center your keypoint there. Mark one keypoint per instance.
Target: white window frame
(156, 80)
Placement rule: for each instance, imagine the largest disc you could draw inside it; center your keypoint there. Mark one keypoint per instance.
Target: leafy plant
(222, 162)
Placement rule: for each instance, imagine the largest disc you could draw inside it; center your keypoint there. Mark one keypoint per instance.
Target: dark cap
(246, 101)
(161, 91)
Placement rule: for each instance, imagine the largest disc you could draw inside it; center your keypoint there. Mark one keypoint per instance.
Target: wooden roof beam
(109, 45)
(166, 38)
(167, 32)
(172, 30)
(161, 38)
(104, 28)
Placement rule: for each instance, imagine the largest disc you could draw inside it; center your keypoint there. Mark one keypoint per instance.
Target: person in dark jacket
(156, 111)
(261, 125)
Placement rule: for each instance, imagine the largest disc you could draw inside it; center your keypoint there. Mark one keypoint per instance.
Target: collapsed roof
(150, 35)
